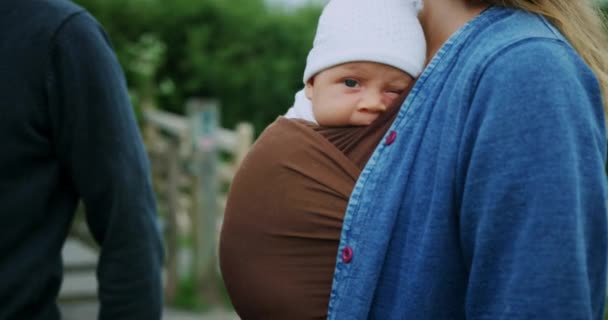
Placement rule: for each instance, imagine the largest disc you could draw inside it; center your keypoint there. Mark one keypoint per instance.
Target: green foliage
(241, 52)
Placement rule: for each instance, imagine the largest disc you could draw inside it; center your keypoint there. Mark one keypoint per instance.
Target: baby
(364, 55)
(286, 204)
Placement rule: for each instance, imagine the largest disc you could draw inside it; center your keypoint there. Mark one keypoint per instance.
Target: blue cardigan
(488, 198)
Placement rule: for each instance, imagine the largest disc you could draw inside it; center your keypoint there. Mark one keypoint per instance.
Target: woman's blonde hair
(582, 23)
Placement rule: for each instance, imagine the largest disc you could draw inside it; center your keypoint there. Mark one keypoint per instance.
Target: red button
(347, 255)
(391, 137)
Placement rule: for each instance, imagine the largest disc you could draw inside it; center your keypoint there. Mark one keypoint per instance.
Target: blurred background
(205, 78)
(249, 54)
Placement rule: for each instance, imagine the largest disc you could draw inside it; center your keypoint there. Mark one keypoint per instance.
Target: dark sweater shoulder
(27, 30)
(41, 18)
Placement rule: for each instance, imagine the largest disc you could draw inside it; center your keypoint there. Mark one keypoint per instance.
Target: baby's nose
(371, 102)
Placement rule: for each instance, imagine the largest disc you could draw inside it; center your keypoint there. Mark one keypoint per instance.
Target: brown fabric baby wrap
(284, 216)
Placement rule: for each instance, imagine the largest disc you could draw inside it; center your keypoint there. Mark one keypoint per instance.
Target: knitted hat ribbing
(382, 31)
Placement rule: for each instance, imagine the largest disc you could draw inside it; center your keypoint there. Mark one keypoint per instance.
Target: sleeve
(100, 148)
(301, 109)
(533, 212)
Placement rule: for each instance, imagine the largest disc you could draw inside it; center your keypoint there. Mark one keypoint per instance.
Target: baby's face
(355, 93)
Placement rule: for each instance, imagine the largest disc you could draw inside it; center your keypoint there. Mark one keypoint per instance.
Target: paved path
(88, 310)
(83, 283)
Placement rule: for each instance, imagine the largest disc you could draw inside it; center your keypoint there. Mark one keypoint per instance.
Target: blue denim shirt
(487, 199)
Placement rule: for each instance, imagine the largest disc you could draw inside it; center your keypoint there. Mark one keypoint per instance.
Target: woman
(490, 202)
(487, 197)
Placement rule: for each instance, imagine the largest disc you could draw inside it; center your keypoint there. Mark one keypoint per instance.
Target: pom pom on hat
(382, 31)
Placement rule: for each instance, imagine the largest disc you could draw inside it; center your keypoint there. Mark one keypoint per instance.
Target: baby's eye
(351, 83)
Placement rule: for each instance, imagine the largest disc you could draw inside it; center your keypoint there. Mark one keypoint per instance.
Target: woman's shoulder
(500, 28)
(502, 39)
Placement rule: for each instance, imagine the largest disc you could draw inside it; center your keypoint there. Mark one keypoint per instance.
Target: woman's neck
(441, 18)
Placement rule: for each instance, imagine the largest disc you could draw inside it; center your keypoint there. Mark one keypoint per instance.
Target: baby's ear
(309, 90)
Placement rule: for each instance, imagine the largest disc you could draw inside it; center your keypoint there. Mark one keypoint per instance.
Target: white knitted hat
(382, 31)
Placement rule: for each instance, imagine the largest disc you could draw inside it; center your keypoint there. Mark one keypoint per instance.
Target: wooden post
(204, 124)
(171, 233)
(244, 133)
(243, 139)
(150, 133)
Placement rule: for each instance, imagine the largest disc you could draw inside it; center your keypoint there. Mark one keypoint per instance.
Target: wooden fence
(193, 160)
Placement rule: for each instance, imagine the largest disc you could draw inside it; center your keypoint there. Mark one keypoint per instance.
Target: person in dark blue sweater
(67, 133)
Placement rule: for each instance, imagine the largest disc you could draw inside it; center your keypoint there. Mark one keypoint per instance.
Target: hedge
(245, 54)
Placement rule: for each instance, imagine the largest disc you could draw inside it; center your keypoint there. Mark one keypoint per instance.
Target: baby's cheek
(389, 103)
(390, 98)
